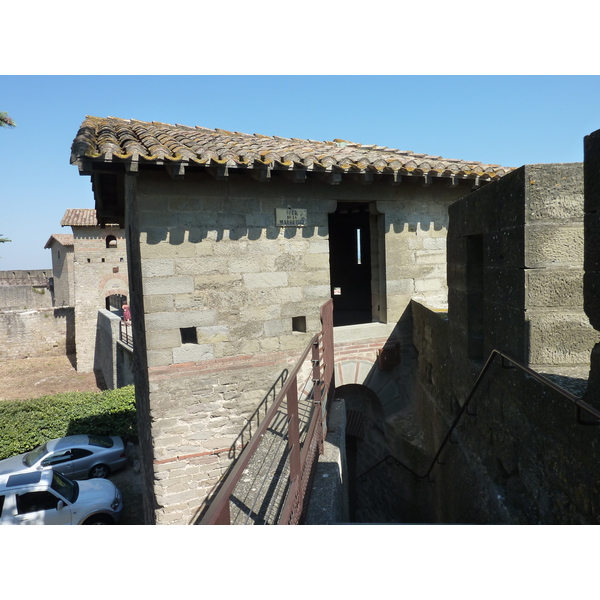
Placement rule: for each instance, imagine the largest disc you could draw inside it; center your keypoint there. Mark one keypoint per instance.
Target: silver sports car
(76, 456)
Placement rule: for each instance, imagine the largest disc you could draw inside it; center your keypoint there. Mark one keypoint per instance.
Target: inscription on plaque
(291, 217)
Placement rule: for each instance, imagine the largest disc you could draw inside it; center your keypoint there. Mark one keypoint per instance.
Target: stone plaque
(291, 217)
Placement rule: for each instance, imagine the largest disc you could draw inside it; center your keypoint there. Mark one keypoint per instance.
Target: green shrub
(25, 424)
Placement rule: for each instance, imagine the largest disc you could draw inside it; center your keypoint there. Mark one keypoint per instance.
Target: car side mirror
(60, 505)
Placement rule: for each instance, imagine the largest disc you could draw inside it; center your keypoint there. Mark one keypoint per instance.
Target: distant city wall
(23, 290)
(36, 332)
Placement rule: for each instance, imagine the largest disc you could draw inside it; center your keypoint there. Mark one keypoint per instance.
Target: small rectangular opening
(299, 324)
(188, 335)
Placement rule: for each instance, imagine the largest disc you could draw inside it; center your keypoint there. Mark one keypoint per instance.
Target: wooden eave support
(109, 216)
(295, 175)
(219, 172)
(261, 174)
(329, 175)
(364, 177)
(176, 170)
(454, 181)
(428, 180)
(85, 167)
(132, 167)
(330, 178)
(396, 178)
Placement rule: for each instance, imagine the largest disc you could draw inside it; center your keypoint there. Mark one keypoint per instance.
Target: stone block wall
(523, 459)
(25, 290)
(222, 286)
(115, 369)
(62, 270)
(515, 258)
(515, 275)
(35, 333)
(98, 272)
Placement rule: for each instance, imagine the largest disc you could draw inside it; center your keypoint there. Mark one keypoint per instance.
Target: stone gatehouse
(90, 274)
(234, 242)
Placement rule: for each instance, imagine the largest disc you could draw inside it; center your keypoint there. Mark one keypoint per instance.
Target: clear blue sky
(507, 120)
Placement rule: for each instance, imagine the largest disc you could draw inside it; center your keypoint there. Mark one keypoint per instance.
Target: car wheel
(99, 471)
(99, 520)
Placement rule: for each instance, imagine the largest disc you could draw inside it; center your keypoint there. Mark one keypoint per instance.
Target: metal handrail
(578, 402)
(255, 418)
(321, 347)
(125, 333)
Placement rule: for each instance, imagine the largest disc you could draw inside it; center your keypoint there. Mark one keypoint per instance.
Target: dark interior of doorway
(115, 302)
(350, 263)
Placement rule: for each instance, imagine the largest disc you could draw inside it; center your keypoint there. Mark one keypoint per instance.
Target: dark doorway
(350, 263)
(115, 302)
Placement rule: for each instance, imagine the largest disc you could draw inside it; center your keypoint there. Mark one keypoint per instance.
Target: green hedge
(25, 424)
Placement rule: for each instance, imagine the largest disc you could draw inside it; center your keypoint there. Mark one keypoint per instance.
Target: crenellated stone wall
(25, 290)
(515, 276)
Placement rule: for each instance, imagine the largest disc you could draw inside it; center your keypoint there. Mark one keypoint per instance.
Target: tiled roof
(66, 239)
(80, 217)
(133, 143)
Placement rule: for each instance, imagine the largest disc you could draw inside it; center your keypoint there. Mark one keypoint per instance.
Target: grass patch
(25, 424)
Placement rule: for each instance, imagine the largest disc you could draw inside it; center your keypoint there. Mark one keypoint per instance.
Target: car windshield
(65, 487)
(32, 457)
(100, 440)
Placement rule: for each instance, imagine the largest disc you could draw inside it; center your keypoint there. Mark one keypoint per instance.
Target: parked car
(48, 498)
(76, 456)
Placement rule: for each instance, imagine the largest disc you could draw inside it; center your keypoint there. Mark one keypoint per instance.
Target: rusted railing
(509, 363)
(125, 333)
(304, 436)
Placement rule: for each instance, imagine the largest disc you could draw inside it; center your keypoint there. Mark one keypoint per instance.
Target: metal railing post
(293, 431)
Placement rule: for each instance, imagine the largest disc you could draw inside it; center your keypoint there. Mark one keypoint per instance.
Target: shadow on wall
(417, 223)
(391, 376)
(195, 235)
(379, 491)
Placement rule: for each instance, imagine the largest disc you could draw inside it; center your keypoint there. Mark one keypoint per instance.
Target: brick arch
(365, 371)
(124, 291)
(123, 288)
(353, 370)
(111, 276)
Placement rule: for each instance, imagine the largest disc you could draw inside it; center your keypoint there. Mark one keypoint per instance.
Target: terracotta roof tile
(115, 140)
(66, 239)
(80, 217)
